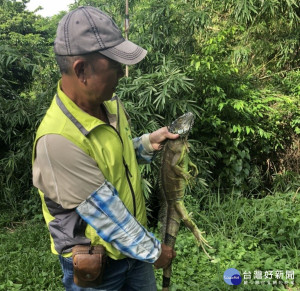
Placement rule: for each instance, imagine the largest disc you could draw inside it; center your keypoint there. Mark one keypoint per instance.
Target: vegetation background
(235, 64)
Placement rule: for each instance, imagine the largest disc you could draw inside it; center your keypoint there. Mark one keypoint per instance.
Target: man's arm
(68, 176)
(146, 145)
(143, 149)
(107, 214)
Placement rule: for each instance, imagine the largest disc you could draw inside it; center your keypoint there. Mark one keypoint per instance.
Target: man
(84, 155)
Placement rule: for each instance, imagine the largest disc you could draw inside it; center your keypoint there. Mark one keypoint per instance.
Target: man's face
(103, 78)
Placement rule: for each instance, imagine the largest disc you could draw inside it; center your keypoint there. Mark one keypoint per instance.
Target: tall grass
(246, 234)
(26, 260)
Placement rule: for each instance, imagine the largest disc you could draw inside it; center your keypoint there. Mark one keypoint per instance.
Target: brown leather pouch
(88, 265)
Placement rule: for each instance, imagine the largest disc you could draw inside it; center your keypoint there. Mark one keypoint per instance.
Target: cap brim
(126, 53)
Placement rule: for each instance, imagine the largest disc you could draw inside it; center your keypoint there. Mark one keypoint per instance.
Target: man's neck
(95, 109)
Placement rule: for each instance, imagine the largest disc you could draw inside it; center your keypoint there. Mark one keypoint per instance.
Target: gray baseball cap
(88, 29)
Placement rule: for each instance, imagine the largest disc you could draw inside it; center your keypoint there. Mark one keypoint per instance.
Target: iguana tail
(172, 227)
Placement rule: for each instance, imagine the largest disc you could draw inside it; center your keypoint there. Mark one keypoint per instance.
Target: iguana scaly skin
(175, 176)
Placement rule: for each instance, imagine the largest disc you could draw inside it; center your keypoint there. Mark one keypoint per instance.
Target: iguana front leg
(177, 165)
(182, 173)
(194, 167)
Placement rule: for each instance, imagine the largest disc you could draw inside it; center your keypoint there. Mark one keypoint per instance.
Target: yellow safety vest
(111, 148)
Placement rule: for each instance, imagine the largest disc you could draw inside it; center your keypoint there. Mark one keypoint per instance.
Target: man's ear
(79, 67)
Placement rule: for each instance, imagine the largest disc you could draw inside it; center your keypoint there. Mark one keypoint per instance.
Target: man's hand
(165, 258)
(160, 135)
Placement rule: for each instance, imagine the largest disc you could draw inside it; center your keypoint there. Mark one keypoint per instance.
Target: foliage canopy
(235, 64)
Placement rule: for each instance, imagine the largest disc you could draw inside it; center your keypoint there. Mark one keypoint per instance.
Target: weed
(247, 234)
(24, 251)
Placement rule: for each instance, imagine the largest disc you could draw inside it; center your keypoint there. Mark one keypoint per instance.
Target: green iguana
(175, 176)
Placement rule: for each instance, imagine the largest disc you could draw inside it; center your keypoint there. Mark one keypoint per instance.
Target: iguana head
(183, 124)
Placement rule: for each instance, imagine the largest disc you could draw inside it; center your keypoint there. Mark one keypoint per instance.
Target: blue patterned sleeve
(107, 214)
(143, 149)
